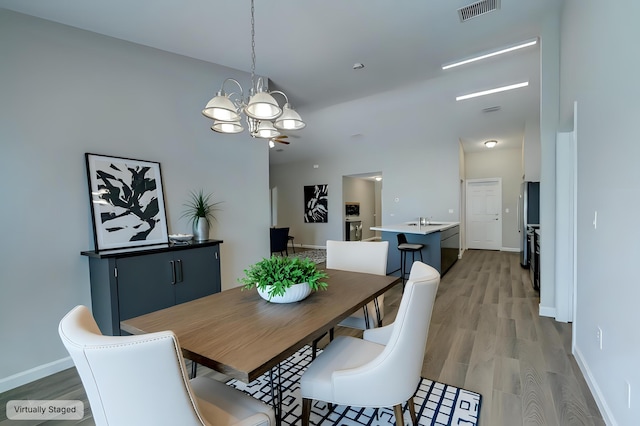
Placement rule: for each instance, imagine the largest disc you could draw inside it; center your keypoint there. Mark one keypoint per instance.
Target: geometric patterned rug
(435, 403)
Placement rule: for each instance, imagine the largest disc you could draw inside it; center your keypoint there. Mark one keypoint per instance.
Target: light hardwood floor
(485, 336)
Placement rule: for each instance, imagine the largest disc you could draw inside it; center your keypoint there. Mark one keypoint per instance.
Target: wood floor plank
(570, 405)
(506, 409)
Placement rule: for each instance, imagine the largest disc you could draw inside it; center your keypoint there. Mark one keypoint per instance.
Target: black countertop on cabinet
(156, 248)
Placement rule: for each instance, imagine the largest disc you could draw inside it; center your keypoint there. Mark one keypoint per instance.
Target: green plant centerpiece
(274, 276)
(200, 210)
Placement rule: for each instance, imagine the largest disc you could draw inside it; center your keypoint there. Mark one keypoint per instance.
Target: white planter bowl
(295, 293)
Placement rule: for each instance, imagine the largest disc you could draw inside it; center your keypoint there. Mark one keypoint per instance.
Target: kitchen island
(441, 242)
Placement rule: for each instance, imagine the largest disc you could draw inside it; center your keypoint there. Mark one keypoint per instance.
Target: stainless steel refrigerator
(528, 214)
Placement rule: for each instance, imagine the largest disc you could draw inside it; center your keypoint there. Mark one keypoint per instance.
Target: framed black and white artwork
(315, 204)
(127, 202)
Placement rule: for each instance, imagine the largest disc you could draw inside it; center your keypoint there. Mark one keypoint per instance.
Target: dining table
(238, 333)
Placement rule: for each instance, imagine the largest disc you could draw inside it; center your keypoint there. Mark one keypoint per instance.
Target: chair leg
(397, 409)
(306, 411)
(412, 411)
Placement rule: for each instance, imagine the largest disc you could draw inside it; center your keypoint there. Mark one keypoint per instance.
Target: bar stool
(404, 247)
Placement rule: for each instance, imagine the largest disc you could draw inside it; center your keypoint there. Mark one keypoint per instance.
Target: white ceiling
(308, 48)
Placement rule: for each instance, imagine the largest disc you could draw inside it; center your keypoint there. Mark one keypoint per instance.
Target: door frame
(468, 182)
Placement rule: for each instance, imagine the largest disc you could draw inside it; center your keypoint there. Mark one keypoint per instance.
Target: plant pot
(295, 293)
(201, 229)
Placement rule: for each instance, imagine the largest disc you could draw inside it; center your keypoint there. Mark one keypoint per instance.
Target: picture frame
(127, 202)
(316, 208)
(352, 208)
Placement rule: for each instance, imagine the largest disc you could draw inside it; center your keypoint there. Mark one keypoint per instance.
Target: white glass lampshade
(266, 130)
(227, 126)
(262, 106)
(221, 108)
(289, 120)
(491, 144)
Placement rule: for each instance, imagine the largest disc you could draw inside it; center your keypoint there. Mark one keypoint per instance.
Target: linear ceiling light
(490, 54)
(490, 91)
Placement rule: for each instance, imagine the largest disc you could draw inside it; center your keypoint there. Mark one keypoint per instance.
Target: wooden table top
(239, 334)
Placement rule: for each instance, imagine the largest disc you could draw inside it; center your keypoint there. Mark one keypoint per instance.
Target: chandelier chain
(265, 118)
(253, 50)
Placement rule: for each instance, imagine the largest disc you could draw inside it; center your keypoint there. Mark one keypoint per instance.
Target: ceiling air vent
(492, 109)
(478, 8)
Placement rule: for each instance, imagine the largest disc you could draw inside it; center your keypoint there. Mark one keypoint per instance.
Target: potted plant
(200, 211)
(284, 279)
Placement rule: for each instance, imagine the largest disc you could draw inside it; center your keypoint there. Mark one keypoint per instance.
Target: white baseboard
(511, 249)
(546, 311)
(373, 239)
(312, 246)
(34, 374)
(601, 402)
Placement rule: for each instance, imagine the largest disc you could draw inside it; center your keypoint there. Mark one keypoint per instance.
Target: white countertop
(415, 228)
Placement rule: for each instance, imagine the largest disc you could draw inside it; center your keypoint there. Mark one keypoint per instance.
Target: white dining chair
(142, 380)
(369, 257)
(383, 369)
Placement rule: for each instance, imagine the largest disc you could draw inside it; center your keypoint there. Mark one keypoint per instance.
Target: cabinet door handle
(173, 272)
(179, 271)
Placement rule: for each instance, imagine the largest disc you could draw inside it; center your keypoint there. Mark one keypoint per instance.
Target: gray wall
(505, 164)
(600, 68)
(65, 92)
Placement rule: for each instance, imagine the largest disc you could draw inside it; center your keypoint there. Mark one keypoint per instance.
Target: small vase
(201, 229)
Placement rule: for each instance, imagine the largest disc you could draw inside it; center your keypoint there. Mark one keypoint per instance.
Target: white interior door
(484, 218)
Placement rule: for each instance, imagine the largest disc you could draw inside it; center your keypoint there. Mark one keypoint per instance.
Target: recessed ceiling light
(493, 53)
(490, 91)
(491, 143)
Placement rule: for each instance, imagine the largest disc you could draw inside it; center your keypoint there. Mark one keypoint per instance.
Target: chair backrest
(402, 239)
(396, 371)
(130, 380)
(279, 239)
(358, 256)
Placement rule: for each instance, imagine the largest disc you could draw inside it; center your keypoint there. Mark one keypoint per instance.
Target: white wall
(549, 98)
(64, 92)
(600, 71)
(505, 164)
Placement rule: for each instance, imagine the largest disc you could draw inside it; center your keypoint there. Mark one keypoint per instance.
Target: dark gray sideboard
(129, 283)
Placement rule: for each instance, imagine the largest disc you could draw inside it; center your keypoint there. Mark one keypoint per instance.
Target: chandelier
(264, 116)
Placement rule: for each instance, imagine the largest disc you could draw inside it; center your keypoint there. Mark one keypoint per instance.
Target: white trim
(547, 311)
(601, 402)
(34, 374)
(511, 249)
(373, 239)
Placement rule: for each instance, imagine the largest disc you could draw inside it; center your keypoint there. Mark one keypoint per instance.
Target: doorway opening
(363, 191)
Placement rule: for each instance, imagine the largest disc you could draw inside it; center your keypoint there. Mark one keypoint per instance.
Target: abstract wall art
(316, 204)
(127, 202)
